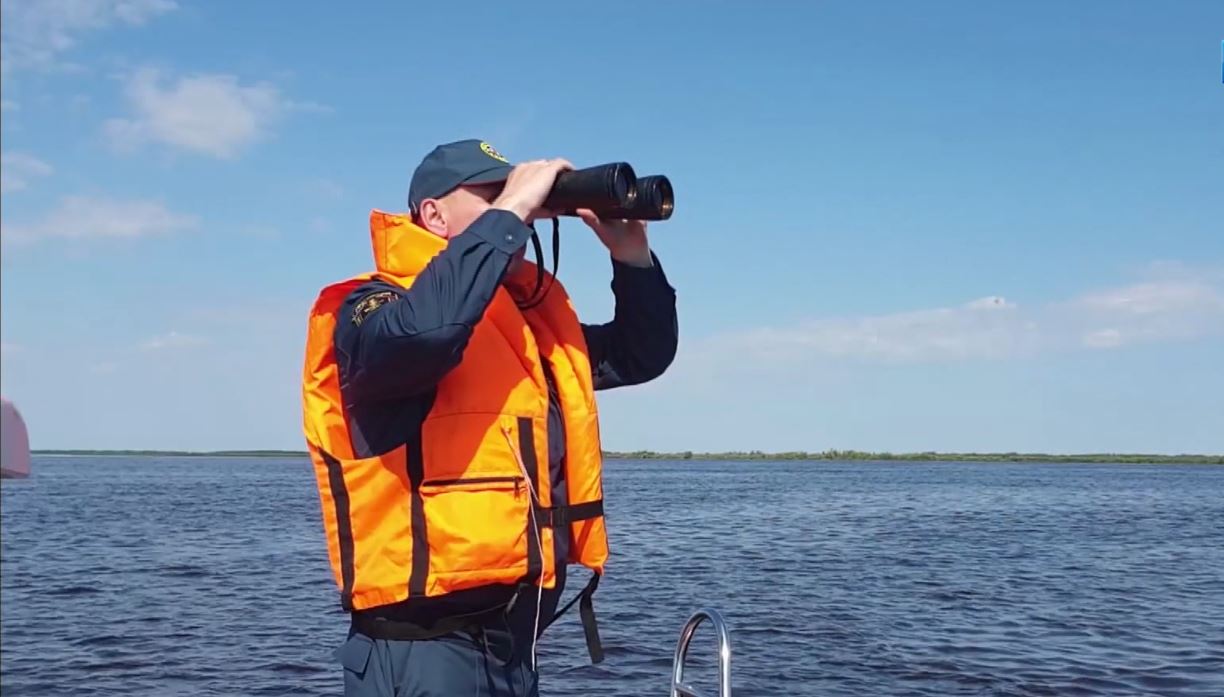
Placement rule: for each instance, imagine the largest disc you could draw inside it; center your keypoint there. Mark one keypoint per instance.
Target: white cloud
(35, 34)
(8, 105)
(1159, 297)
(17, 169)
(1162, 310)
(1167, 309)
(8, 347)
(979, 328)
(1103, 338)
(85, 217)
(992, 302)
(214, 115)
(172, 340)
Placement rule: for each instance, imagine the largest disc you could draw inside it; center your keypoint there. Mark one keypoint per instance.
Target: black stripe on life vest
(535, 562)
(420, 534)
(559, 516)
(344, 526)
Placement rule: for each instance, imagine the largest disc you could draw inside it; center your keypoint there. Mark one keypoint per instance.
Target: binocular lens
(655, 197)
(624, 185)
(612, 191)
(654, 201)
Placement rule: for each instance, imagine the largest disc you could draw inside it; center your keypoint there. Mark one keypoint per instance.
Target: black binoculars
(612, 191)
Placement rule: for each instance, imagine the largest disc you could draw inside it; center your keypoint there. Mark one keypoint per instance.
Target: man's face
(452, 214)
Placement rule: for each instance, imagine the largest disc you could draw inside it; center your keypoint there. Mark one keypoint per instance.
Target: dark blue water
(199, 577)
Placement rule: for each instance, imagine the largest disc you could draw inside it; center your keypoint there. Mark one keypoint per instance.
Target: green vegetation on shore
(845, 455)
(177, 453)
(754, 455)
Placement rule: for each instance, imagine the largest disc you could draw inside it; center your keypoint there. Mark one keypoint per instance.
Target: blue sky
(902, 226)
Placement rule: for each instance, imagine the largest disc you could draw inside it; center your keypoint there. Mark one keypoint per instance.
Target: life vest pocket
(476, 525)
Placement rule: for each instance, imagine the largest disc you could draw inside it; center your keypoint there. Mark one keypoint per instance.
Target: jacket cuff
(629, 276)
(502, 229)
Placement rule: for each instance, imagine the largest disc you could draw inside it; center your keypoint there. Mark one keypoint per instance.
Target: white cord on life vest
(535, 526)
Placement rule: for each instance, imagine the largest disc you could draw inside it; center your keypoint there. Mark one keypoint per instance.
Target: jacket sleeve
(394, 343)
(640, 341)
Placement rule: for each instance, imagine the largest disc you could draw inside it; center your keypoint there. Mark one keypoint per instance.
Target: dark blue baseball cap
(455, 164)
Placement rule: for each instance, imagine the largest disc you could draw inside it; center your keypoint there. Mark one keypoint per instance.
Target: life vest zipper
(474, 480)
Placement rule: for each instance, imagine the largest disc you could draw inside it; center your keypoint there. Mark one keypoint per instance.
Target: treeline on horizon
(752, 455)
(858, 455)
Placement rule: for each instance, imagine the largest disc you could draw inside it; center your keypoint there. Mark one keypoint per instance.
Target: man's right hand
(528, 186)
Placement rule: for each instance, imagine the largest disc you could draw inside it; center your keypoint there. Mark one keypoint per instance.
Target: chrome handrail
(679, 687)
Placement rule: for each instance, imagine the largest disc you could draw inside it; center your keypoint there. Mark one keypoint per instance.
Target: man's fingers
(588, 216)
(528, 186)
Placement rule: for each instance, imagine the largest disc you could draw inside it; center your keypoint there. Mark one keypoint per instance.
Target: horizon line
(830, 454)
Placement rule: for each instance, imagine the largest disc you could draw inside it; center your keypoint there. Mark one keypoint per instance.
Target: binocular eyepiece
(612, 191)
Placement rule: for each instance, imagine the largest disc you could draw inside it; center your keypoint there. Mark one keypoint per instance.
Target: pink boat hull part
(14, 443)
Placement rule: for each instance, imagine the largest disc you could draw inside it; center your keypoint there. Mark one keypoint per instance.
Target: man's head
(455, 184)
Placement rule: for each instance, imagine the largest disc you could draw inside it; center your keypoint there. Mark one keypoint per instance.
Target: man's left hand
(625, 239)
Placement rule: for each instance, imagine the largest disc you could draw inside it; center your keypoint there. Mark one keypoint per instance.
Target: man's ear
(432, 218)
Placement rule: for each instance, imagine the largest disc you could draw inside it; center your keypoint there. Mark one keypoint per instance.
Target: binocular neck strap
(536, 296)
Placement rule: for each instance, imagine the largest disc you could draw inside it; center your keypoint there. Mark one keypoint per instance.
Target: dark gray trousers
(493, 662)
(489, 664)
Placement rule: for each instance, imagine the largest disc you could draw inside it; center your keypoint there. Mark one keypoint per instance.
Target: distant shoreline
(755, 455)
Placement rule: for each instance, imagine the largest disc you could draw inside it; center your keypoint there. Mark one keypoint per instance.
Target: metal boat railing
(679, 687)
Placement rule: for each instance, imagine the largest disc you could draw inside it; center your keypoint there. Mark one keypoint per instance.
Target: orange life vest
(451, 509)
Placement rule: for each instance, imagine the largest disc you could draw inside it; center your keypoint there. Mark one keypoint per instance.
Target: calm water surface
(198, 577)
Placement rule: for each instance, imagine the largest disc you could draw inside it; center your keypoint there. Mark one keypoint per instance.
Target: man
(449, 410)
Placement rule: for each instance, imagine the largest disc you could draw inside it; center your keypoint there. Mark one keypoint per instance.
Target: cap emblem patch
(492, 152)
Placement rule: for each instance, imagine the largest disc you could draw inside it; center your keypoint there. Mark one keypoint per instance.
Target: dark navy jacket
(393, 346)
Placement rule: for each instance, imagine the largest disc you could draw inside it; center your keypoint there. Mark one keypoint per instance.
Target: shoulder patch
(370, 303)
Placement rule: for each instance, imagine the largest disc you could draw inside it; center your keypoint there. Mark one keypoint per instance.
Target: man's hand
(625, 239)
(528, 186)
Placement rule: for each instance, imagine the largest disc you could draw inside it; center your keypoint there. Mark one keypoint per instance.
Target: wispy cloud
(17, 169)
(8, 105)
(34, 35)
(172, 340)
(210, 114)
(988, 327)
(1171, 308)
(86, 217)
(8, 347)
(324, 188)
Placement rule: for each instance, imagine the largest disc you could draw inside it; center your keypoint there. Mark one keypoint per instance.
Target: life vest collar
(403, 249)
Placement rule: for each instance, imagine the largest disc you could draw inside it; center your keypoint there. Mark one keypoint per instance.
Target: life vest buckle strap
(586, 611)
(559, 516)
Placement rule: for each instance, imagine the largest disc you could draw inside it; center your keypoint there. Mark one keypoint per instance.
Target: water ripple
(193, 577)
